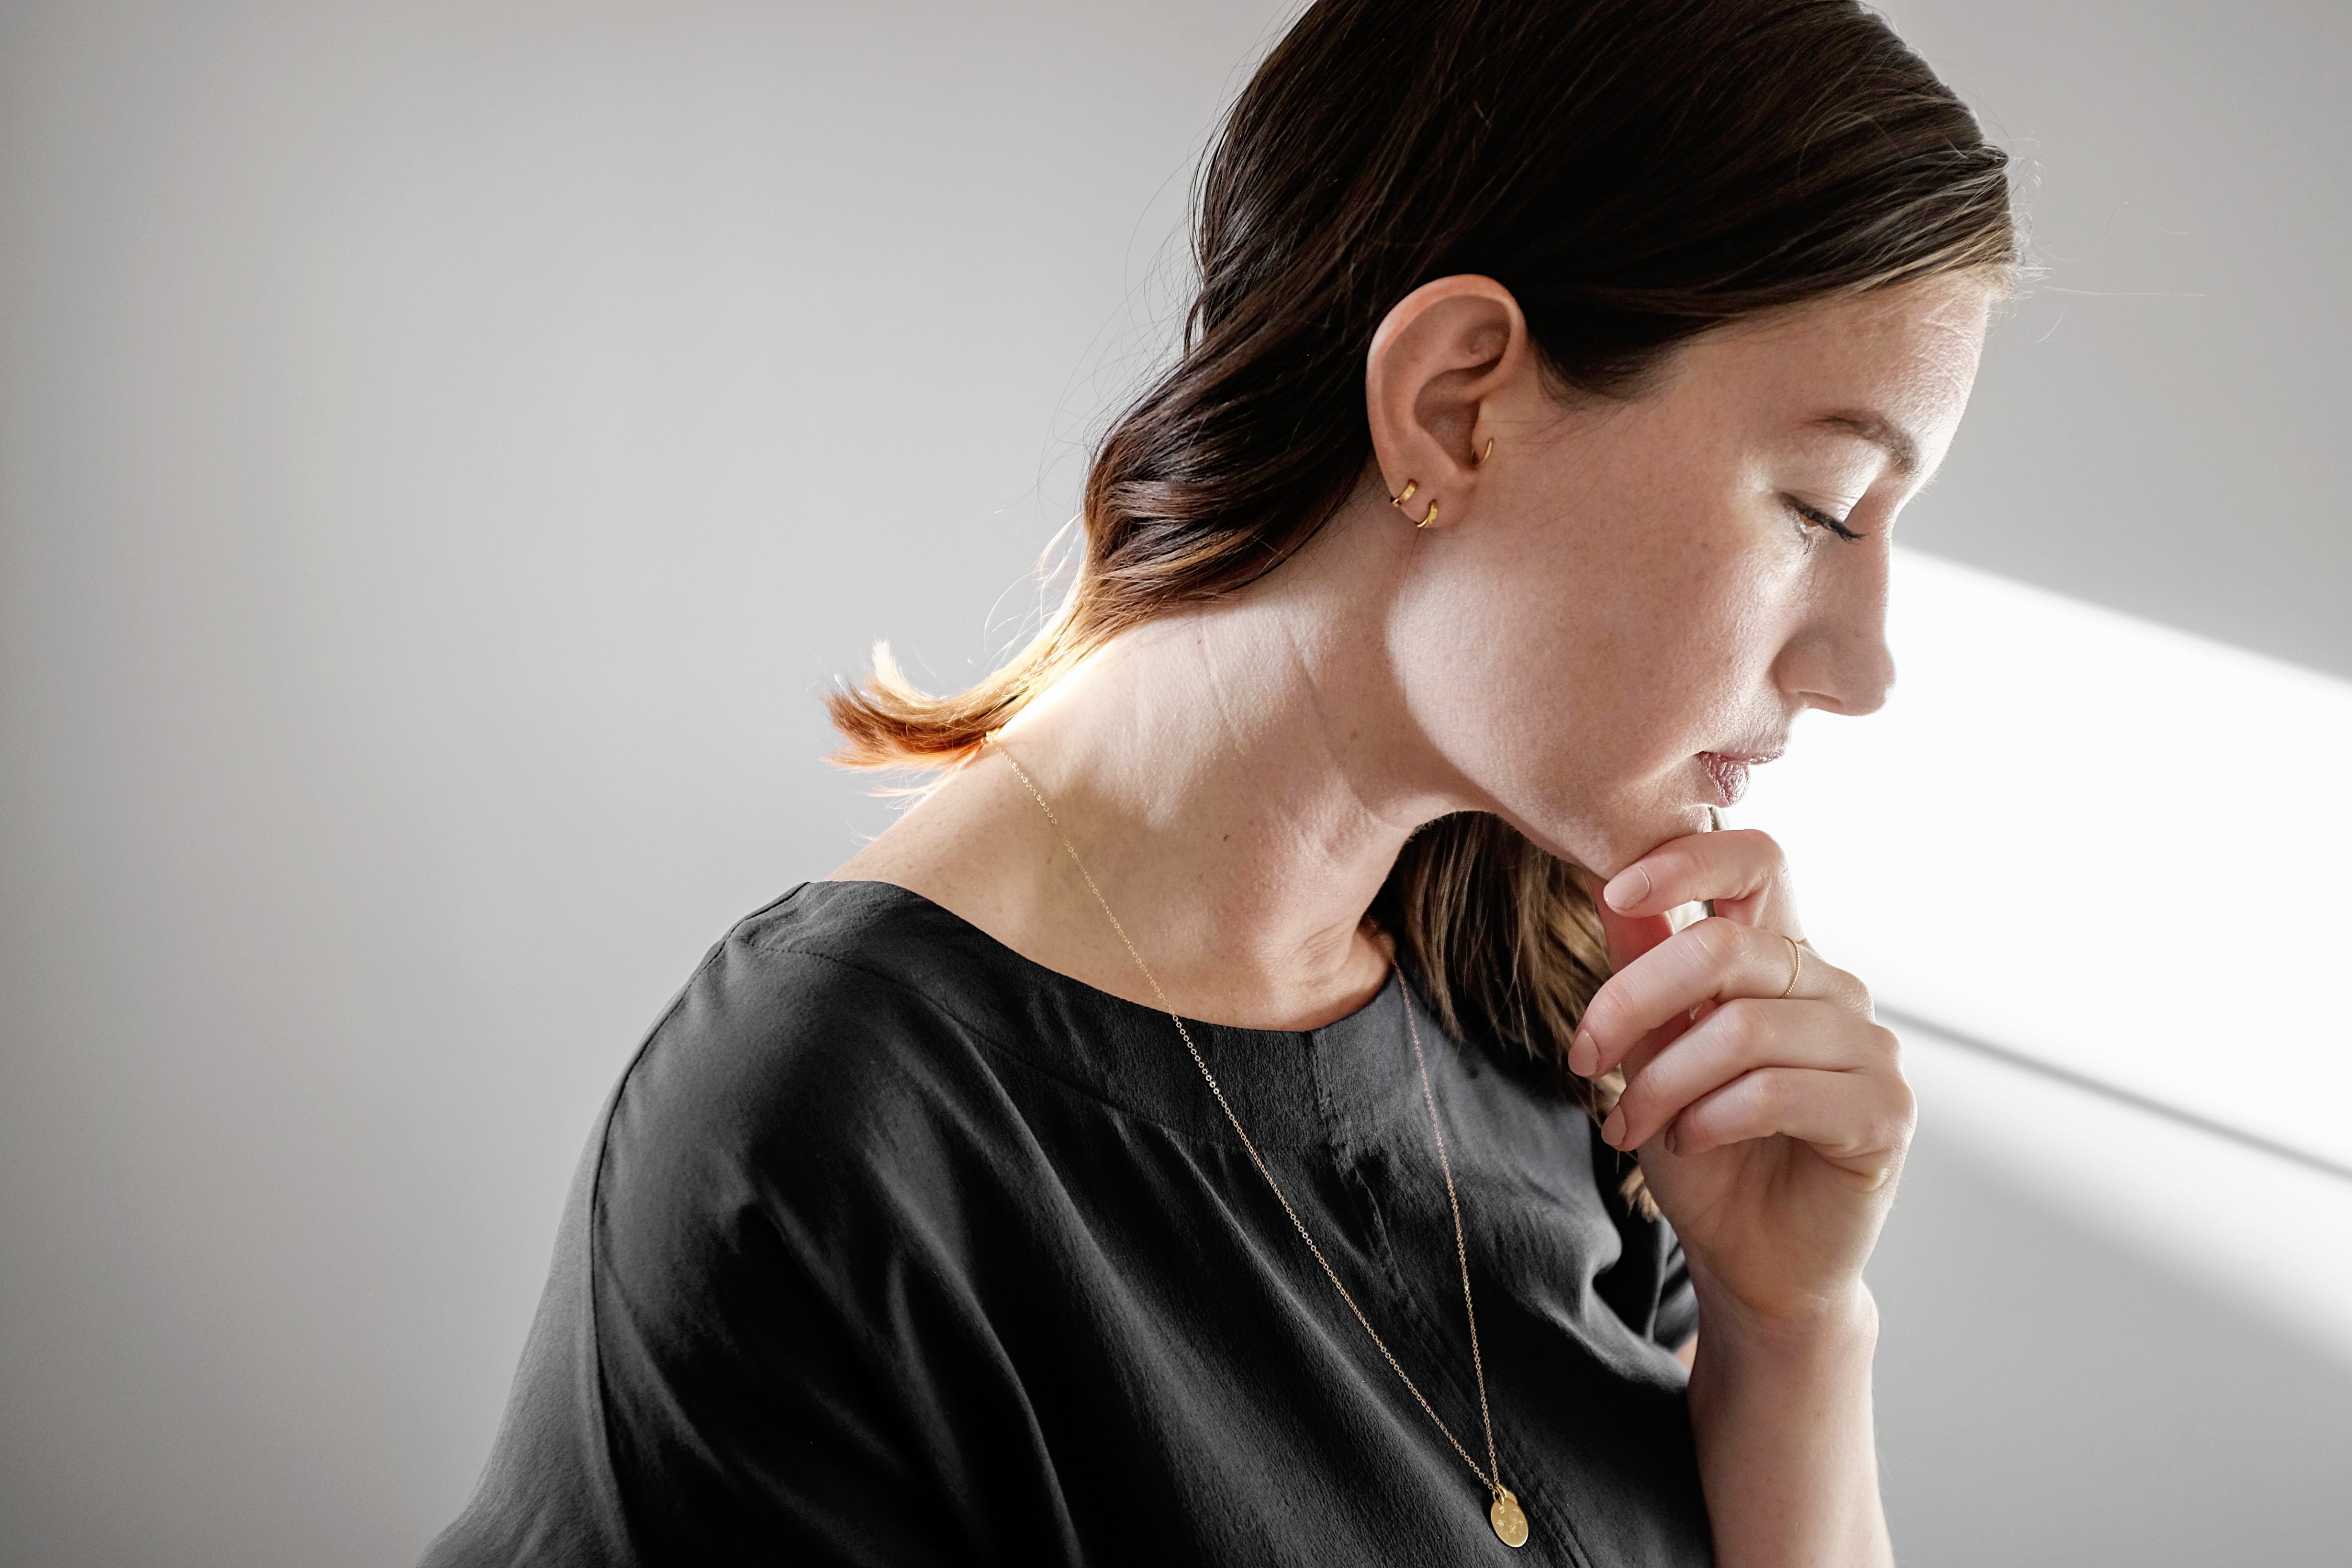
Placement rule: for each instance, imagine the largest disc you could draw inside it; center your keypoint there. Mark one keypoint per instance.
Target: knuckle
(1841, 987)
(1906, 1114)
(1746, 1024)
(1768, 850)
(1717, 938)
(1604, 1014)
(1773, 1092)
(1672, 864)
(1891, 1129)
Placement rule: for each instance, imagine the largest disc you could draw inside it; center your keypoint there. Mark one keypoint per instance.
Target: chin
(1656, 828)
(1607, 845)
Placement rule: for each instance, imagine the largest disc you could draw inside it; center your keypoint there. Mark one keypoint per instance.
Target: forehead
(1904, 356)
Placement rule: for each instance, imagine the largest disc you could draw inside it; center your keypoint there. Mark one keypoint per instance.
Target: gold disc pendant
(1510, 1524)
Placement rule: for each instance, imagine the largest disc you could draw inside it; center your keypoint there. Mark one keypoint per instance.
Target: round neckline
(1344, 1081)
(1112, 998)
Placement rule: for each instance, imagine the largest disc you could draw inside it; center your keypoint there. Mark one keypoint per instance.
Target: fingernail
(1614, 1128)
(1628, 887)
(1583, 1056)
(1675, 1139)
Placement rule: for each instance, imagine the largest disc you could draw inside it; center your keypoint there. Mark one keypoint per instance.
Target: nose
(1838, 660)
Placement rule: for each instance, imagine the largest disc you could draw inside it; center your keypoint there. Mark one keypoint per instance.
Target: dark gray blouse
(895, 1247)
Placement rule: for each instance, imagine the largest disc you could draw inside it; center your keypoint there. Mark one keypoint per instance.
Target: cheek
(1565, 669)
(1666, 609)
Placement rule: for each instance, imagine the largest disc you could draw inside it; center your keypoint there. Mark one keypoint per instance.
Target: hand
(1770, 1128)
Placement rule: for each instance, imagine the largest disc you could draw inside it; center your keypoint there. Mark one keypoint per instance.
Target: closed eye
(1814, 517)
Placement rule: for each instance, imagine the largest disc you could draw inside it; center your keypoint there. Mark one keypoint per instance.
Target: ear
(1437, 366)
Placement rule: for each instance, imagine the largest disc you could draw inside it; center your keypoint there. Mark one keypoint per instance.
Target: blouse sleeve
(1677, 1318)
(1650, 1284)
(760, 1344)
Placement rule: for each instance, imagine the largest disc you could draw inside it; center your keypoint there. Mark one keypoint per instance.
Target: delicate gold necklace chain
(1509, 1522)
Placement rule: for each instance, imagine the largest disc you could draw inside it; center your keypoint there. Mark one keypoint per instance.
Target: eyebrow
(1897, 443)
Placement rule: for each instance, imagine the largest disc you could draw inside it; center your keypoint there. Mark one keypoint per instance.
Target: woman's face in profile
(1648, 592)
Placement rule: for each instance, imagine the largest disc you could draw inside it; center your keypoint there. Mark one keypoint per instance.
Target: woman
(1255, 1109)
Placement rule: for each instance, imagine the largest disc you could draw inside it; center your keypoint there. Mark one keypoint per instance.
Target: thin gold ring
(1796, 966)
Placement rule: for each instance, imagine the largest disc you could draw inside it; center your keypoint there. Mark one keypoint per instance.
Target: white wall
(2160, 429)
(441, 446)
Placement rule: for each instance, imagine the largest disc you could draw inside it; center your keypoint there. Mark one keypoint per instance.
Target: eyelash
(1814, 518)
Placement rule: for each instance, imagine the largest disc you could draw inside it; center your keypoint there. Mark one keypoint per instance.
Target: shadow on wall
(2046, 1397)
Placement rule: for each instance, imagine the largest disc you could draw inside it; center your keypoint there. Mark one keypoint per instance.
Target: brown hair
(1635, 172)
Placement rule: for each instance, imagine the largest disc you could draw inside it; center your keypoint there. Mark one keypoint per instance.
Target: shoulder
(722, 1347)
(822, 1048)
(829, 973)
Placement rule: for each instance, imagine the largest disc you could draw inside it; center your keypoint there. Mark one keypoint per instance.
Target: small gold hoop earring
(1482, 458)
(1404, 495)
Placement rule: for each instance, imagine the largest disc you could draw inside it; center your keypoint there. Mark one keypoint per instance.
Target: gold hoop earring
(1480, 461)
(1404, 495)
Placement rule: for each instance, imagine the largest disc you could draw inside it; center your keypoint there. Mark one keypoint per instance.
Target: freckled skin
(1630, 587)
(1620, 586)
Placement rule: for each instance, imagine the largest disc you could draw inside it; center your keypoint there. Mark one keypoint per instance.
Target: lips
(1727, 771)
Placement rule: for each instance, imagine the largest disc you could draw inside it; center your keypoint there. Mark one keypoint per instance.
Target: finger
(1630, 936)
(1860, 1121)
(1715, 960)
(1657, 1040)
(1738, 1038)
(1742, 871)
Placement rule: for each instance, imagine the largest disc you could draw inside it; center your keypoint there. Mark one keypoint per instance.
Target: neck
(1237, 779)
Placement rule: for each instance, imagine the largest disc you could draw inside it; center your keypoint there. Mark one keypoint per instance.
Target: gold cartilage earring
(1480, 461)
(1404, 495)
